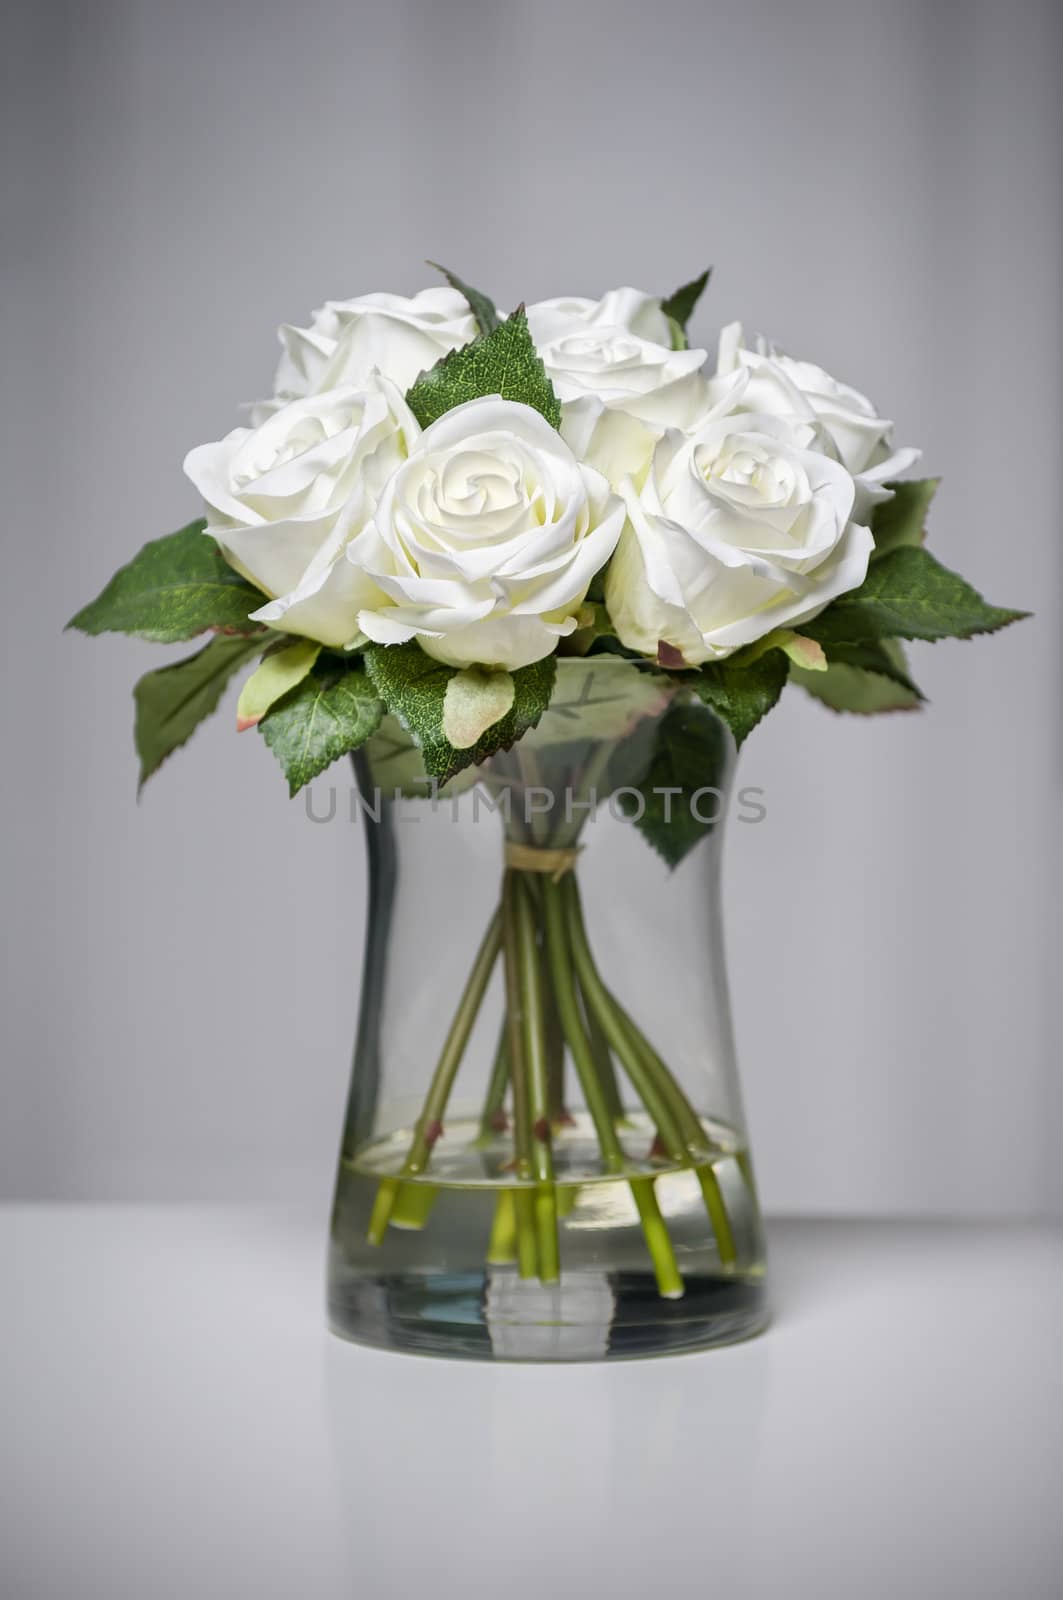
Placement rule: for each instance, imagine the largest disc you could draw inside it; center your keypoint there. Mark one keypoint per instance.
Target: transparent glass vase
(544, 1155)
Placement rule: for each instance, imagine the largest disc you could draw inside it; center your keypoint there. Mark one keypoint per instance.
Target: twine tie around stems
(553, 862)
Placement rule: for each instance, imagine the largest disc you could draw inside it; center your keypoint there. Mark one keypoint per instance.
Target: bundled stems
(555, 1000)
(597, 1097)
(523, 1201)
(535, 1147)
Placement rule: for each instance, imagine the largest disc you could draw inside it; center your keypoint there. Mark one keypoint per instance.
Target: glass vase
(544, 1156)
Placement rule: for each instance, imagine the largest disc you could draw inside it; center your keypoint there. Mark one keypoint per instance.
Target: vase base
(497, 1316)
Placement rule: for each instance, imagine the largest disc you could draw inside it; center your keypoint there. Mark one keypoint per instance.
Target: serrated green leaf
(330, 713)
(741, 695)
(278, 673)
(691, 753)
(413, 686)
(679, 307)
(481, 305)
(396, 765)
(884, 657)
(855, 689)
(902, 520)
(174, 588)
(908, 595)
(172, 701)
(503, 362)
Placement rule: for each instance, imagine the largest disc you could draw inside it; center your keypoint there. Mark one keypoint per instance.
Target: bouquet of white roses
(439, 517)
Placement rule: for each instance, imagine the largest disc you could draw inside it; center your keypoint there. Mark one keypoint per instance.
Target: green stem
(523, 1204)
(538, 822)
(669, 1280)
(603, 1061)
(555, 1049)
(430, 1123)
(493, 1116)
(744, 1161)
(698, 1142)
(535, 1061)
(677, 1123)
(413, 1204)
(691, 1125)
(527, 1248)
(712, 1194)
(615, 1030)
(502, 1245)
(561, 972)
(658, 1242)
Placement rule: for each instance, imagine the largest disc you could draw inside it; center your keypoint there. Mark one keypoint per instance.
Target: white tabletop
(177, 1422)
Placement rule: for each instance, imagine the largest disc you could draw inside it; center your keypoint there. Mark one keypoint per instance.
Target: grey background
(877, 184)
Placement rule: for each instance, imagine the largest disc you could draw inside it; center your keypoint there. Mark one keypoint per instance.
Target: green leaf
(598, 698)
(908, 595)
(884, 657)
(902, 520)
(481, 305)
(174, 588)
(280, 671)
(332, 711)
(413, 686)
(173, 701)
(741, 695)
(397, 765)
(865, 691)
(679, 307)
(803, 652)
(692, 753)
(473, 701)
(503, 362)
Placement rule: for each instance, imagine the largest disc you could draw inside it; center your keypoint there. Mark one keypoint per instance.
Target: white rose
(639, 313)
(619, 381)
(736, 531)
(848, 424)
(283, 499)
(485, 540)
(348, 339)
